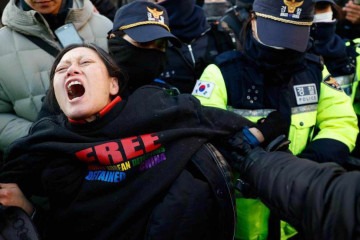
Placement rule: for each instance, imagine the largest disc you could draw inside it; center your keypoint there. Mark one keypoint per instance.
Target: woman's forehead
(79, 53)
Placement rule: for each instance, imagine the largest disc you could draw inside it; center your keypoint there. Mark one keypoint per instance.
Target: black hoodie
(101, 177)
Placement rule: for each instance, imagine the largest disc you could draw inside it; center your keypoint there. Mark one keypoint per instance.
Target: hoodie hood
(187, 20)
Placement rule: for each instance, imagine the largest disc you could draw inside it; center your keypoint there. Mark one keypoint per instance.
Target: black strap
(43, 45)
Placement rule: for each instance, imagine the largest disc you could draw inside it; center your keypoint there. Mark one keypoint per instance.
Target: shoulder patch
(306, 94)
(331, 82)
(203, 88)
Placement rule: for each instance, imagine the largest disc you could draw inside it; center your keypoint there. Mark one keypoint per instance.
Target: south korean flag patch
(203, 89)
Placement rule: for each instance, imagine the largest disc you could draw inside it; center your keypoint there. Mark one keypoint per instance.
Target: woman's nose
(73, 70)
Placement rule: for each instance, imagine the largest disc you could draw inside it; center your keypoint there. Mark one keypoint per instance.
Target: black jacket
(339, 59)
(320, 200)
(201, 43)
(133, 173)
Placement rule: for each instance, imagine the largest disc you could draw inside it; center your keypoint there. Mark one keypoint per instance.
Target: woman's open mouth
(75, 89)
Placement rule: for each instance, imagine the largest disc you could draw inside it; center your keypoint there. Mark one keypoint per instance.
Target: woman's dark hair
(114, 71)
(245, 29)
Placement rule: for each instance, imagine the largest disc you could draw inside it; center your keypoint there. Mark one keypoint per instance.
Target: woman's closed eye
(61, 69)
(86, 62)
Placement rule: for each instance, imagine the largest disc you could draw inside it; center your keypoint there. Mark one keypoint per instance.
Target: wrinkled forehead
(79, 53)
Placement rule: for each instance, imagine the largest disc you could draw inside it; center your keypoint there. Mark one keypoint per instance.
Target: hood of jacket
(187, 20)
(34, 23)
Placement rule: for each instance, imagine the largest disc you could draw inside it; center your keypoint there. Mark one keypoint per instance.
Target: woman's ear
(114, 86)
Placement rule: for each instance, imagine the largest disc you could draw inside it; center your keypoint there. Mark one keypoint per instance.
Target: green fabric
(356, 91)
(218, 96)
(287, 230)
(252, 217)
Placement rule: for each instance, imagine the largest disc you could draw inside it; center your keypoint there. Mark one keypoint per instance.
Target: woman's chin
(77, 115)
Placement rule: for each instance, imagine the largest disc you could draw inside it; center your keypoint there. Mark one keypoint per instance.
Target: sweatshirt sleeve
(320, 200)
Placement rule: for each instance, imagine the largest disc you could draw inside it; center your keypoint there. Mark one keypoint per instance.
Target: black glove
(243, 156)
(272, 126)
(281, 143)
(240, 149)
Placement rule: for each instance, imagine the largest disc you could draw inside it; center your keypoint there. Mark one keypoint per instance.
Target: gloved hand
(273, 126)
(240, 148)
(243, 156)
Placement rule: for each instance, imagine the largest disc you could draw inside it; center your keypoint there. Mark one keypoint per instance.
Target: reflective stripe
(304, 109)
(251, 112)
(346, 83)
(345, 80)
(265, 112)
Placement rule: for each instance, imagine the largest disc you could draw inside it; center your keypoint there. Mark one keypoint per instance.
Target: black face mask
(142, 65)
(271, 58)
(277, 64)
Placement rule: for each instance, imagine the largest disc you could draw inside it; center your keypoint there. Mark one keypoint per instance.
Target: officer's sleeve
(336, 118)
(210, 89)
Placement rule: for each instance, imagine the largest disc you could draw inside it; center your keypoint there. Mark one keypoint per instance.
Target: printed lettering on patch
(306, 93)
(203, 89)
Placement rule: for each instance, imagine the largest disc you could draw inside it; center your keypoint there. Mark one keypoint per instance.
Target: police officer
(338, 58)
(277, 71)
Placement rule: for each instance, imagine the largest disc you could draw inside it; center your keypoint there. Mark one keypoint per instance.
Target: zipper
(191, 54)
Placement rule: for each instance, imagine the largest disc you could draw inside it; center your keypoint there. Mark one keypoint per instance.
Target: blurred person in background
(349, 26)
(138, 42)
(105, 7)
(27, 56)
(2, 6)
(201, 42)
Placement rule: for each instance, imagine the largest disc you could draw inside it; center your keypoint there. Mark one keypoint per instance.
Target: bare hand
(11, 195)
(352, 11)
